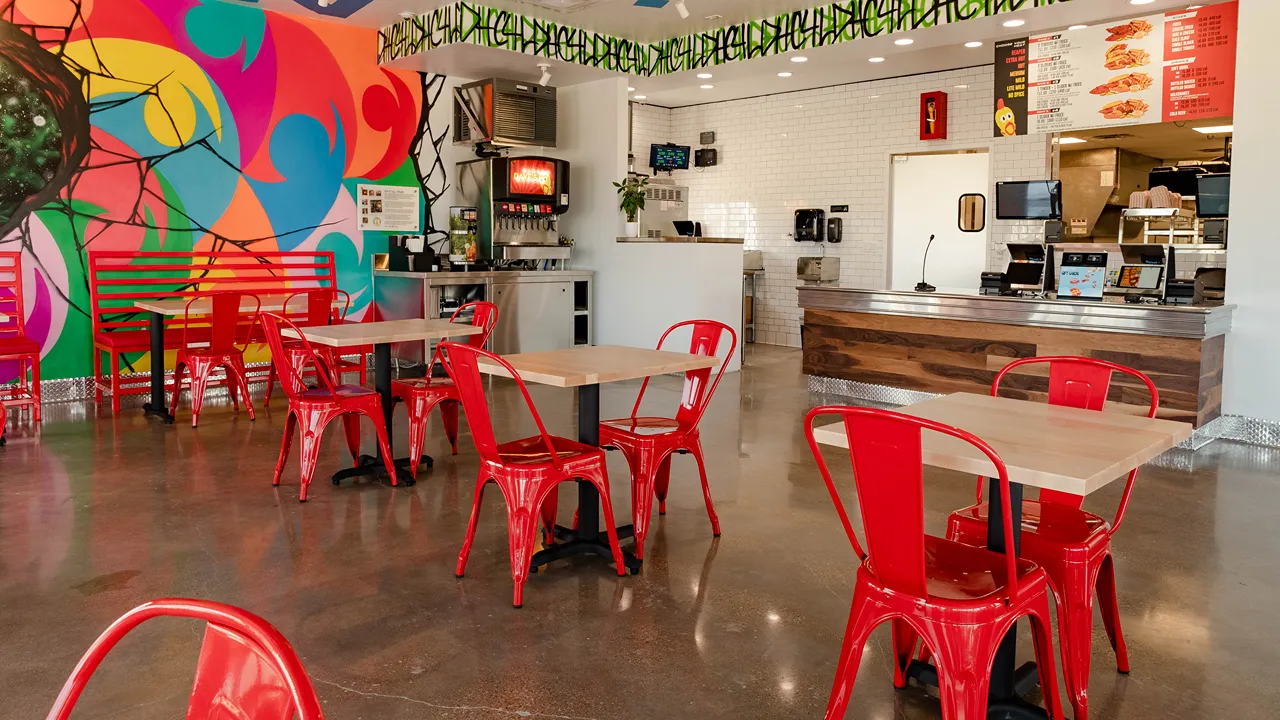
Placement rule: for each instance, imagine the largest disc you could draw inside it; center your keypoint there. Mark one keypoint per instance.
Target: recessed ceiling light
(641, 97)
(799, 107)
(875, 59)
(704, 76)
(1215, 129)
(872, 97)
(1014, 23)
(714, 17)
(903, 41)
(784, 74)
(1070, 141)
(707, 87)
(973, 44)
(799, 58)
(1194, 7)
(1141, 2)
(1078, 27)
(408, 14)
(962, 87)
(631, 89)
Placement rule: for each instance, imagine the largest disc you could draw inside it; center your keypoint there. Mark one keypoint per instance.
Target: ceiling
(937, 48)
(1163, 141)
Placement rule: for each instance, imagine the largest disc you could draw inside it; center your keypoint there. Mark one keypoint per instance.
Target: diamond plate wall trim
(884, 395)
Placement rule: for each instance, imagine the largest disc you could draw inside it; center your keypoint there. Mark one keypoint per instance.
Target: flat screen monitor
(1180, 180)
(1025, 273)
(1213, 199)
(669, 157)
(532, 176)
(1036, 200)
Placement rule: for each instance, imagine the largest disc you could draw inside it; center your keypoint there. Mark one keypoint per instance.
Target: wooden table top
(387, 331)
(204, 306)
(592, 365)
(1045, 446)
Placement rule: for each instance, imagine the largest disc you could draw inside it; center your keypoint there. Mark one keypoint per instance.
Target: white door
(926, 201)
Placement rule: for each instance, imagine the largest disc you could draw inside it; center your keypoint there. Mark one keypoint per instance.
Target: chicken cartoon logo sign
(1006, 121)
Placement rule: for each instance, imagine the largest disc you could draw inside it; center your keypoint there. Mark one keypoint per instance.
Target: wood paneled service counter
(957, 341)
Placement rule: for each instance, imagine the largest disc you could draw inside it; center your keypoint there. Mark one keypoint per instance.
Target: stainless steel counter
(1118, 317)
(683, 239)
(455, 278)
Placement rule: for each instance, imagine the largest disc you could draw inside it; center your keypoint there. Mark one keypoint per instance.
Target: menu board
(1158, 68)
(388, 208)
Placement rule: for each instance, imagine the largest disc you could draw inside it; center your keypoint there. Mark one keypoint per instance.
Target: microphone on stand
(923, 286)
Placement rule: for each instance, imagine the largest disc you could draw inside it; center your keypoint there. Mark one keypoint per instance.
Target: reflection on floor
(99, 516)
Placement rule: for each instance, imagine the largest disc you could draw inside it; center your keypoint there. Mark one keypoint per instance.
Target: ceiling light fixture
(973, 44)
(406, 14)
(1215, 129)
(799, 58)
(1141, 2)
(1078, 27)
(1071, 140)
(1014, 23)
(324, 3)
(631, 89)
(707, 87)
(714, 17)
(641, 97)
(546, 74)
(704, 76)
(875, 59)
(784, 74)
(872, 97)
(903, 41)
(682, 9)
(962, 87)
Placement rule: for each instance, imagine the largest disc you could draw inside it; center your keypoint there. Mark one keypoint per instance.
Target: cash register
(1025, 273)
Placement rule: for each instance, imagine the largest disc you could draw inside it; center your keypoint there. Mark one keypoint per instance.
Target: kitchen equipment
(664, 205)
(504, 113)
(818, 269)
(835, 230)
(992, 283)
(1211, 286)
(1213, 195)
(1082, 276)
(705, 157)
(752, 260)
(1026, 266)
(518, 203)
(810, 224)
(1096, 187)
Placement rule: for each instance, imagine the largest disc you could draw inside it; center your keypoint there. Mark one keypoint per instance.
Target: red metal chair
(247, 669)
(317, 309)
(961, 600)
(15, 346)
(649, 442)
(1071, 544)
(312, 410)
(229, 332)
(4, 420)
(526, 471)
(422, 394)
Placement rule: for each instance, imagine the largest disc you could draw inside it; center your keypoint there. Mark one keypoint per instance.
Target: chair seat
(426, 384)
(208, 352)
(641, 426)
(955, 571)
(1051, 521)
(18, 345)
(343, 392)
(533, 451)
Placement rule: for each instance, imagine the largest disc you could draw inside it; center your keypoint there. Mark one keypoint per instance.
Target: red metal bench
(118, 280)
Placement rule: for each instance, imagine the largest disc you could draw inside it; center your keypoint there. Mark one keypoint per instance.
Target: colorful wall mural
(191, 124)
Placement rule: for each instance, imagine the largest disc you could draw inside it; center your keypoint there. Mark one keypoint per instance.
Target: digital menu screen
(669, 157)
(532, 177)
(1038, 200)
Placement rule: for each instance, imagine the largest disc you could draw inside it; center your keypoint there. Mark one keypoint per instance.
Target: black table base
(156, 406)
(371, 465)
(587, 539)
(1009, 684)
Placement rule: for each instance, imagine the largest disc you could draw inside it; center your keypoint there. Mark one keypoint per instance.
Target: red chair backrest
(1084, 383)
(705, 339)
(462, 362)
(485, 315)
(11, 295)
(289, 380)
(315, 307)
(247, 669)
(230, 326)
(888, 474)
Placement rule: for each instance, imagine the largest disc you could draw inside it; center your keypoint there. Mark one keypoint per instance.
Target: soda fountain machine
(518, 203)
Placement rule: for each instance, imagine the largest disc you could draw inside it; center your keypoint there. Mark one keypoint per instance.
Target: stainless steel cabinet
(532, 317)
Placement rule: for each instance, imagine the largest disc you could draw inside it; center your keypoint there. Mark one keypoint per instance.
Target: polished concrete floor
(97, 516)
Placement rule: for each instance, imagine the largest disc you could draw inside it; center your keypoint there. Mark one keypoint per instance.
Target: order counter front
(871, 343)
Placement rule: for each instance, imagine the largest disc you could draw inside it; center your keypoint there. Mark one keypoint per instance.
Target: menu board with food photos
(1176, 66)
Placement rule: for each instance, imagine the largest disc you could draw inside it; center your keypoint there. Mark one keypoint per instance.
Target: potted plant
(631, 201)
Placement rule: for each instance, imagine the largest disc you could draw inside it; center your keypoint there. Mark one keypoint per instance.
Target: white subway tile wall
(831, 146)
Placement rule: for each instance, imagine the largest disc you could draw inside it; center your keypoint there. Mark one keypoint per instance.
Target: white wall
(1252, 373)
(817, 148)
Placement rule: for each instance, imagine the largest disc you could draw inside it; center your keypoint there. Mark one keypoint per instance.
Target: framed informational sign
(1172, 67)
(389, 208)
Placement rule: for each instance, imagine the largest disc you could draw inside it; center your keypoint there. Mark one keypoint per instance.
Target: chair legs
(696, 450)
(650, 480)
(461, 567)
(1073, 594)
(1111, 612)
(449, 411)
(419, 409)
(290, 422)
(864, 616)
(115, 383)
(97, 374)
(200, 368)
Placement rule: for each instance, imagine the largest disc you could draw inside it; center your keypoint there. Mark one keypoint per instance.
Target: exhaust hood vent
(504, 113)
(1113, 136)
